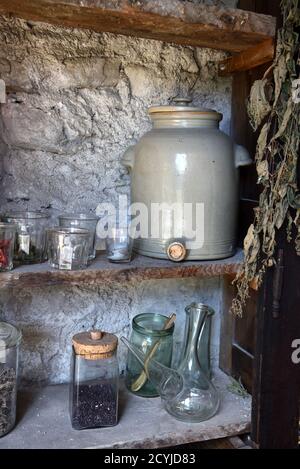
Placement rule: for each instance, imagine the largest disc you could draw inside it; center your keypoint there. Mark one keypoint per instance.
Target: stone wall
(76, 101)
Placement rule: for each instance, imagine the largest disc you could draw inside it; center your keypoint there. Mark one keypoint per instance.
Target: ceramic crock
(185, 159)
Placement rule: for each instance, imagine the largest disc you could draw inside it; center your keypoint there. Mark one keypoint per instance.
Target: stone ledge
(44, 422)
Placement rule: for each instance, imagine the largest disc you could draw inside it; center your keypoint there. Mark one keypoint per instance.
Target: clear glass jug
(187, 393)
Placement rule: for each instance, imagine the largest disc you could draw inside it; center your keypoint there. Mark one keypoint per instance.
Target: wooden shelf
(101, 270)
(222, 28)
(44, 422)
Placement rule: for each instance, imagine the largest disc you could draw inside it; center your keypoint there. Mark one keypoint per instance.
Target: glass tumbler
(7, 243)
(119, 245)
(30, 245)
(68, 248)
(85, 221)
(146, 332)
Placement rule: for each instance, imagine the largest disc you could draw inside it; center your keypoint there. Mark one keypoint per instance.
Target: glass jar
(68, 248)
(95, 380)
(82, 220)
(7, 243)
(30, 245)
(10, 338)
(147, 332)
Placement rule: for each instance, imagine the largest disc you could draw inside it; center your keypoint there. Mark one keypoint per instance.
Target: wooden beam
(248, 59)
(171, 21)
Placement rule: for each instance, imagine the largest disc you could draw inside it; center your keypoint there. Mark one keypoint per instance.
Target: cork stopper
(176, 252)
(95, 344)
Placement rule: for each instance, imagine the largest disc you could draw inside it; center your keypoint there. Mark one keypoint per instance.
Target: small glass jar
(147, 330)
(119, 245)
(10, 338)
(7, 243)
(85, 221)
(94, 387)
(30, 245)
(68, 248)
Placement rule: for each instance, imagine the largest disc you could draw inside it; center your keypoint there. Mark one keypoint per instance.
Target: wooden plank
(171, 21)
(101, 270)
(248, 59)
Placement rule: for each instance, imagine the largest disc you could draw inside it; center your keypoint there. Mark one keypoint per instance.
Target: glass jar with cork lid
(95, 380)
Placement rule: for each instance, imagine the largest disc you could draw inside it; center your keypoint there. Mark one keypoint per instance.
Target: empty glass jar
(119, 245)
(95, 380)
(147, 331)
(85, 221)
(7, 243)
(10, 338)
(68, 248)
(30, 245)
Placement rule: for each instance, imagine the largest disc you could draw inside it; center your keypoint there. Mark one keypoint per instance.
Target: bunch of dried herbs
(274, 106)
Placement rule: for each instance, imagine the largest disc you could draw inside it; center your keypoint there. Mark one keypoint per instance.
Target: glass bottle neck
(195, 324)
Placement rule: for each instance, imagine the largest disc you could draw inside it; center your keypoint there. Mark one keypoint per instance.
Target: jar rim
(69, 230)
(79, 216)
(202, 307)
(27, 214)
(153, 332)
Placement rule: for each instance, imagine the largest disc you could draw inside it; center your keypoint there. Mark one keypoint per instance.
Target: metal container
(186, 159)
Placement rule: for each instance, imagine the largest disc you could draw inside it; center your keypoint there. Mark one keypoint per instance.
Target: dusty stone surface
(76, 101)
(143, 423)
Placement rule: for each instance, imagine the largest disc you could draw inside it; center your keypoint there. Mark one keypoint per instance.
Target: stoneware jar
(186, 159)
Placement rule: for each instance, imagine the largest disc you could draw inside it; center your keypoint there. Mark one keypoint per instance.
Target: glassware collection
(27, 238)
(187, 392)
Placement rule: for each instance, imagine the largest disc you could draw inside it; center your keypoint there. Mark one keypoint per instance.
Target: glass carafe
(194, 314)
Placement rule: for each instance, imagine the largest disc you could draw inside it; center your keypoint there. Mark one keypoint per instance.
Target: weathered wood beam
(101, 270)
(251, 58)
(167, 20)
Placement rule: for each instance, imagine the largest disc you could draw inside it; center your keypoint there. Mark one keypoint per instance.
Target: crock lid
(181, 105)
(10, 335)
(95, 343)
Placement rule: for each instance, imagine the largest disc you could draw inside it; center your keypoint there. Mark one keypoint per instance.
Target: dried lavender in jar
(8, 395)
